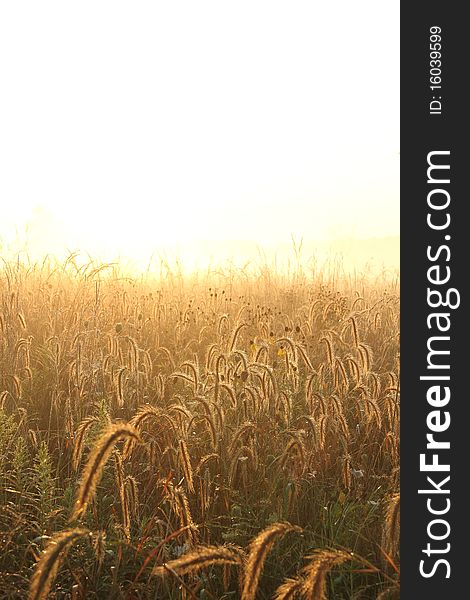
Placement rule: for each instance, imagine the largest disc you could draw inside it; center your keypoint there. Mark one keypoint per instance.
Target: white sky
(129, 126)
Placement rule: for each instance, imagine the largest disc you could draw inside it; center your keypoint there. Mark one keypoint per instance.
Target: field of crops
(220, 436)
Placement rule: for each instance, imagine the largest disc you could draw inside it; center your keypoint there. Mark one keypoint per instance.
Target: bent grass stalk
(49, 563)
(96, 461)
(258, 550)
(201, 558)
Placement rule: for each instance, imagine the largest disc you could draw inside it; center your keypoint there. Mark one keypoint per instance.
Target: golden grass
(258, 551)
(50, 560)
(201, 558)
(95, 464)
(235, 408)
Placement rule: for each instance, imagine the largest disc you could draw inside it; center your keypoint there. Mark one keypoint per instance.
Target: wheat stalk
(322, 561)
(259, 548)
(201, 558)
(96, 461)
(119, 472)
(144, 414)
(186, 465)
(391, 536)
(289, 589)
(79, 439)
(48, 565)
(205, 459)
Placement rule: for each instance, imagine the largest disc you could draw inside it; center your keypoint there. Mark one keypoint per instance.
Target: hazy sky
(128, 126)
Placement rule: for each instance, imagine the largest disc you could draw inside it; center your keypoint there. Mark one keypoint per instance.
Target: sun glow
(134, 130)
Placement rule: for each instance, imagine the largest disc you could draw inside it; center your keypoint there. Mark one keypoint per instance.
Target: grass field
(222, 436)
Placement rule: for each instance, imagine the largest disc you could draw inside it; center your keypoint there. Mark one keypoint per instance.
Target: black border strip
(423, 132)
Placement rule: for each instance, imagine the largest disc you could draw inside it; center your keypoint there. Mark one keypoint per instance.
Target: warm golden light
(200, 310)
(148, 131)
